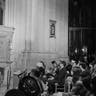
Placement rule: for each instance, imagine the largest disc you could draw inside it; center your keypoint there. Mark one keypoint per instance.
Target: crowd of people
(78, 77)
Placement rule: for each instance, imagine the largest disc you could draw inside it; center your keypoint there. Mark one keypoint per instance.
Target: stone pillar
(6, 34)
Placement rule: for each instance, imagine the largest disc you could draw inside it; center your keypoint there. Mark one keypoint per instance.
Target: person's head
(54, 63)
(76, 50)
(44, 66)
(73, 62)
(83, 66)
(40, 64)
(35, 72)
(84, 49)
(62, 64)
(50, 70)
(69, 67)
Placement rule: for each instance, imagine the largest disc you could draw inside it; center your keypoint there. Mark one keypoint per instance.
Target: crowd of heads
(80, 75)
(84, 71)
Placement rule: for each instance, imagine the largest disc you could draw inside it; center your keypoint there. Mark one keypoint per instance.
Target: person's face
(76, 51)
(72, 62)
(54, 65)
(61, 65)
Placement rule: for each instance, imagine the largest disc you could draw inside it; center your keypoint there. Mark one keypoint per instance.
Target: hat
(39, 64)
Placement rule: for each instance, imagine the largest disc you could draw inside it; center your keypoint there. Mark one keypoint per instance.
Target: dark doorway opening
(82, 25)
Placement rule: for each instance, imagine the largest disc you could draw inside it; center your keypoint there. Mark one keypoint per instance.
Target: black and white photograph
(52, 28)
(47, 48)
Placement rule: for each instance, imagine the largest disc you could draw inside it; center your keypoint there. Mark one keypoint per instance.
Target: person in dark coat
(61, 76)
(86, 76)
(58, 78)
